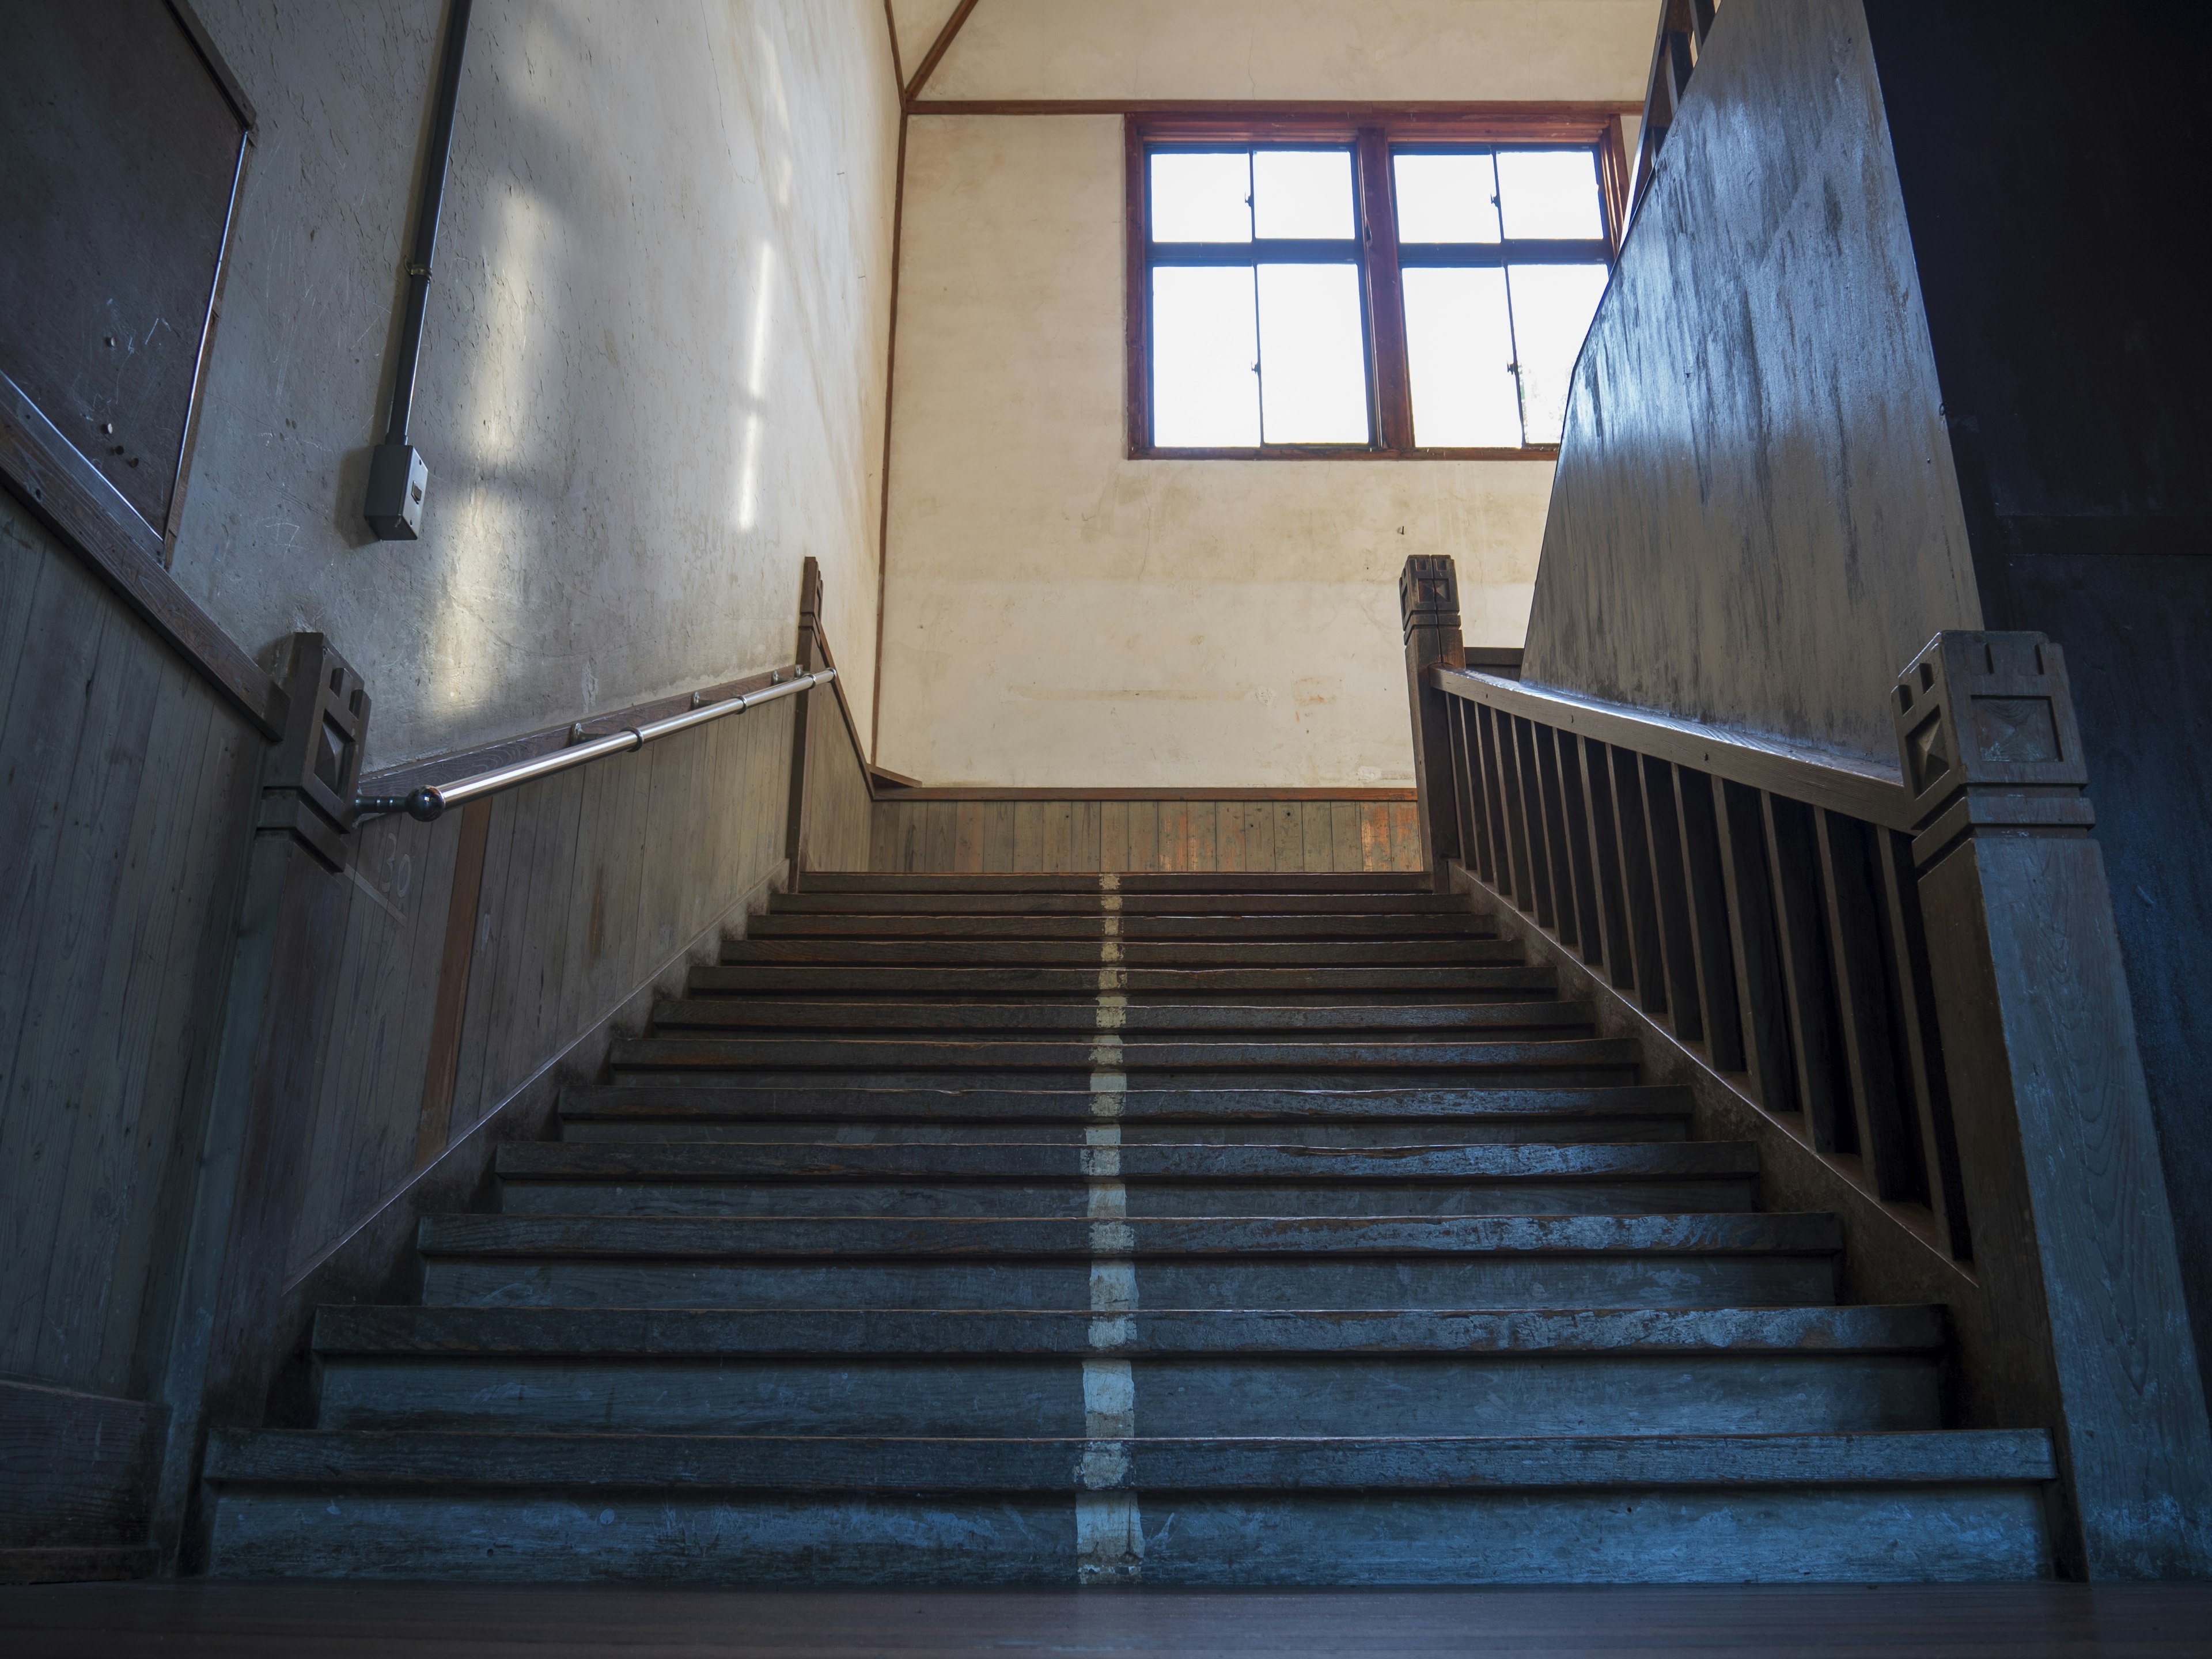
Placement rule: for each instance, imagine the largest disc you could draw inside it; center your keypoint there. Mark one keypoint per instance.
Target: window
(1297, 291)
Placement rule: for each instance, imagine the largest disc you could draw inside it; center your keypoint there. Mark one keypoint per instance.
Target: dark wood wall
(590, 884)
(1031, 834)
(1754, 521)
(445, 983)
(2049, 193)
(125, 788)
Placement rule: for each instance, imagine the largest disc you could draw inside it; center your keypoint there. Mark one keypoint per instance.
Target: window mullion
(1386, 332)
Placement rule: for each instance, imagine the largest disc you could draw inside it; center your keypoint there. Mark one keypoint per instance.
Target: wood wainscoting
(1039, 831)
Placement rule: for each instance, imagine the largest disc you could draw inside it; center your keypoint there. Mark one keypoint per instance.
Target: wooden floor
(1818, 1622)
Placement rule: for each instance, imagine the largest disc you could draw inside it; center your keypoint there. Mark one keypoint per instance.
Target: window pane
(1460, 351)
(1303, 193)
(1552, 309)
(1446, 198)
(1205, 395)
(1202, 198)
(1550, 195)
(1313, 355)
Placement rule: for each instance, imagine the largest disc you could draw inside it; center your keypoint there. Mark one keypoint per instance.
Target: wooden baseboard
(375, 1261)
(76, 1563)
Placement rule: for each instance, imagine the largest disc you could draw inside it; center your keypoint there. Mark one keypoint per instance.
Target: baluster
(1890, 1152)
(1742, 841)
(1531, 802)
(1710, 935)
(1516, 828)
(1556, 842)
(1794, 859)
(1676, 955)
(1605, 857)
(1589, 926)
(1475, 838)
(1643, 907)
(1905, 936)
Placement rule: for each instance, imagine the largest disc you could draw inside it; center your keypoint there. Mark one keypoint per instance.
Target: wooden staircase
(1181, 1230)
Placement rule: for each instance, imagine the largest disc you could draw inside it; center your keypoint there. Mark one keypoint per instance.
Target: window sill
(1343, 453)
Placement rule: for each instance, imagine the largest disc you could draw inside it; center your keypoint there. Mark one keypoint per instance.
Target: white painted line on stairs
(1109, 1532)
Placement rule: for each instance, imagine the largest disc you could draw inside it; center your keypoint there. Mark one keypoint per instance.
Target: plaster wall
(1292, 49)
(919, 22)
(1756, 521)
(653, 375)
(1059, 615)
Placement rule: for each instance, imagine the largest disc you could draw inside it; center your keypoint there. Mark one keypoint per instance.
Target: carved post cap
(1428, 591)
(314, 774)
(1986, 734)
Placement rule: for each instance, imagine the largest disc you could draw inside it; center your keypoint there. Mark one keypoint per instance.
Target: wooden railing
(1759, 903)
(1683, 26)
(1915, 972)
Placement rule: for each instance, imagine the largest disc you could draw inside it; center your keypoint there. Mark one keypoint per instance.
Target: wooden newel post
(2074, 1241)
(1428, 605)
(810, 657)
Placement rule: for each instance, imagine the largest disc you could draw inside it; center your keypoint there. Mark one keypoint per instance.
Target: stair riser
(1663, 1535)
(1625, 1280)
(1749, 1394)
(629, 1072)
(1073, 1199)
(1130, 904)
(1274, 988)
(1136, 953)
(1218, 930)
(1011, 1021)
(1415, 1132)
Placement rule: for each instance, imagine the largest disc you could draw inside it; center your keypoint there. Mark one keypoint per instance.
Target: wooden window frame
(1371, 130)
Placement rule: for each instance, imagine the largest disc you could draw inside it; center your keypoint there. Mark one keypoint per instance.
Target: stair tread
(1396, 953)
(1136, 978)
(1163, 1161)
(541, 1333)
(655, 1098)
(827, 1015)
(711, 1238)
(446, 1458)
(1045, 1052)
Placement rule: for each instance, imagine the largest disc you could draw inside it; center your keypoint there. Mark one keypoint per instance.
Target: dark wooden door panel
(122, 154)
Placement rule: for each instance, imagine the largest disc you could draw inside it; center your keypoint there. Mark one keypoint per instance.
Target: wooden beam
(937, 51)
(1585, 117)
(67, 493)
(898, 74)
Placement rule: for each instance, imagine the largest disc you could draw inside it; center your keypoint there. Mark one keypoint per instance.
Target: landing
(2030, 1622)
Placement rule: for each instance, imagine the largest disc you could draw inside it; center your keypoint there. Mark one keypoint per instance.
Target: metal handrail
(428, 802)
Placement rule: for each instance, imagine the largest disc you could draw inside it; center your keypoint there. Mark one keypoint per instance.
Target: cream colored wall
(653, 374)
(919, 22)
(1056, 614)
(1282, 49)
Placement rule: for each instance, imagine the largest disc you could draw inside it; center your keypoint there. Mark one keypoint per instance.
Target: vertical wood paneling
(1259, 836)
(1345, 852)
(1088, 835)
(1375, 850)
(1229, 835)
(1319, 834)
(998, 836)
(1059, 837)
(1029, 836)
(967, 837)
(1144, 834)
(1406, 836)
(1114, 835)
(937, 842)
(125, 793)
(1202, 827)
(1290, 835)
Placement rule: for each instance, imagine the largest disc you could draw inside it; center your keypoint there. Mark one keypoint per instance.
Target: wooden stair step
(1127, 882)
(717, 1238)
(1130, 929)
(855, 1015)
(1163, 1163)
(1471, 950)
(1095, 903)
(954, 979)
(1045, 1052)
(723, 1333)
(810, 1462)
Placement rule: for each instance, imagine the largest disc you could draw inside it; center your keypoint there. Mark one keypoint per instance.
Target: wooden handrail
(1914, 973)
(1820, 777)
